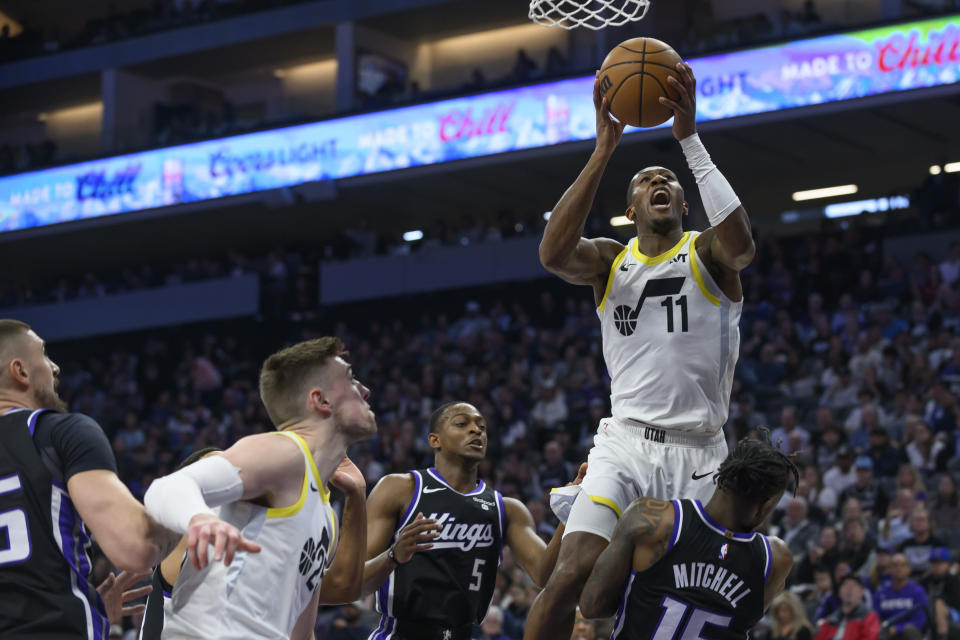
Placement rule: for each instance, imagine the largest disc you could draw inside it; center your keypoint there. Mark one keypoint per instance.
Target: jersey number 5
(13, 526)
(675, 611)
(477, 574)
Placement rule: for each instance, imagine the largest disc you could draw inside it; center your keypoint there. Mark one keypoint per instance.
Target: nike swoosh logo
(434, 490)
(623, 267)
(701, 476)
(313, 488)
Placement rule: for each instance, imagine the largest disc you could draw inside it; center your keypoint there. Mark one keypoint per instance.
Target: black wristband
(393, 557)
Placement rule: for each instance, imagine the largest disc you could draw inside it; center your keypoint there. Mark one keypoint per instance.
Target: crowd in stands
(125, 22)
(350, 243)
(849, 356)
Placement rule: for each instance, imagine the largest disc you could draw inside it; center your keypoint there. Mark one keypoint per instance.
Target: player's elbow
(551, 259)
(590, 607)
(744, 254)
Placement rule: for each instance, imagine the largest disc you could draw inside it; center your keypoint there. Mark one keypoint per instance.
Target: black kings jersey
(708, 585)
(45, 569)
(451, 584)
(157, 603)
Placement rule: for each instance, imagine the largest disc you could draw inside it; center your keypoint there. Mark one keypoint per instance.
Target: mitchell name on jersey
(707, 575)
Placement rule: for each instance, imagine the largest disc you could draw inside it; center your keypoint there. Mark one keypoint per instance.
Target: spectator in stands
(909, 478)
(841, 475)
(584, 629)
(550, 410)
(826, 554)
(555, 471)
(843, 393)
(820, 500)
(830, 437)
(854, 620)
(789, 428)
(886, 458)
(131, 434)
(799, 532)
(945, 510)
(524, 67)
(821, 599)
(895, 527)
(349, 625)
(918, 546)
(789, 620)
(857, 546)
(866, 418)
(492, 625)
(943, 590)
(941, 410)
(745, 409)
(925, 452)
(881, 573)
(556, 62)
(866, 488)
(902, 606)
(950, 266)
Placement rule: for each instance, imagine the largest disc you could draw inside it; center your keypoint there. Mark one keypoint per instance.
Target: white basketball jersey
(670, 339)
(260, 595)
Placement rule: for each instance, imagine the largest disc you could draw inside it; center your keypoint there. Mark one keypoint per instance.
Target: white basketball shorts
(631, 459)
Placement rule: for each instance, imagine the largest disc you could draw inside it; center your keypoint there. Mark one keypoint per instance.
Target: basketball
(634, 76)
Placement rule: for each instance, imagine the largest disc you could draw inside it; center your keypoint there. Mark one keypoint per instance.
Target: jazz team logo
(723, 551)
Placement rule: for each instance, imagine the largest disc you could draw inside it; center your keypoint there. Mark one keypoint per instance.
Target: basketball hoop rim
(589, 14)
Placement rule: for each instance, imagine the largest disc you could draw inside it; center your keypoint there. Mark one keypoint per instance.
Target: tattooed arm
(638, 542)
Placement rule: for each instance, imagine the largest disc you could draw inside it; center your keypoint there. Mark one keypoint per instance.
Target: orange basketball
(634, 76)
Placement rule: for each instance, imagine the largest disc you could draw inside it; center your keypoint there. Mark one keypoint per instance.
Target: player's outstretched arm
(563, 250)
(385, 507)
(342, 582)
(729, 240)
(639, 541)
(536, 558)
(782, 563)
(132, 540)
(253, 467)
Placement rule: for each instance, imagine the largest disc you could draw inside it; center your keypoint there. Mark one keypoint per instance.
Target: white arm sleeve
(719, 198)
(174, 499)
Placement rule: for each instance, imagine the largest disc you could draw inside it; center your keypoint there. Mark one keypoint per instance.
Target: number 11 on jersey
(668, 305)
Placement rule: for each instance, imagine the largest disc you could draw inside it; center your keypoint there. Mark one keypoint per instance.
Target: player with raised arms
(669, 304)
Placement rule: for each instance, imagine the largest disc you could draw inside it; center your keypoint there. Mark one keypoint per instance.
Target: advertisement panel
(801, 73)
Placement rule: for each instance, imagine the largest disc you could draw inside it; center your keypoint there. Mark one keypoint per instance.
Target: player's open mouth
(660, 199)
(476, 443)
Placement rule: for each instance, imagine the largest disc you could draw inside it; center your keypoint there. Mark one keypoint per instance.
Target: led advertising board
(800, 73)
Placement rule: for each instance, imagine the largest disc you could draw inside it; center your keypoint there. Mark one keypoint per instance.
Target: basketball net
(592, 14)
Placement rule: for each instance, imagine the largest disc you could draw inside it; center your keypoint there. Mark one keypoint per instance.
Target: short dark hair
(437, 414)
(757, 470)
(10, 328)
(283, 375)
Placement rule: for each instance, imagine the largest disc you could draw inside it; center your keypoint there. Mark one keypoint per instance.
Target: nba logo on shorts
(723, 551)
